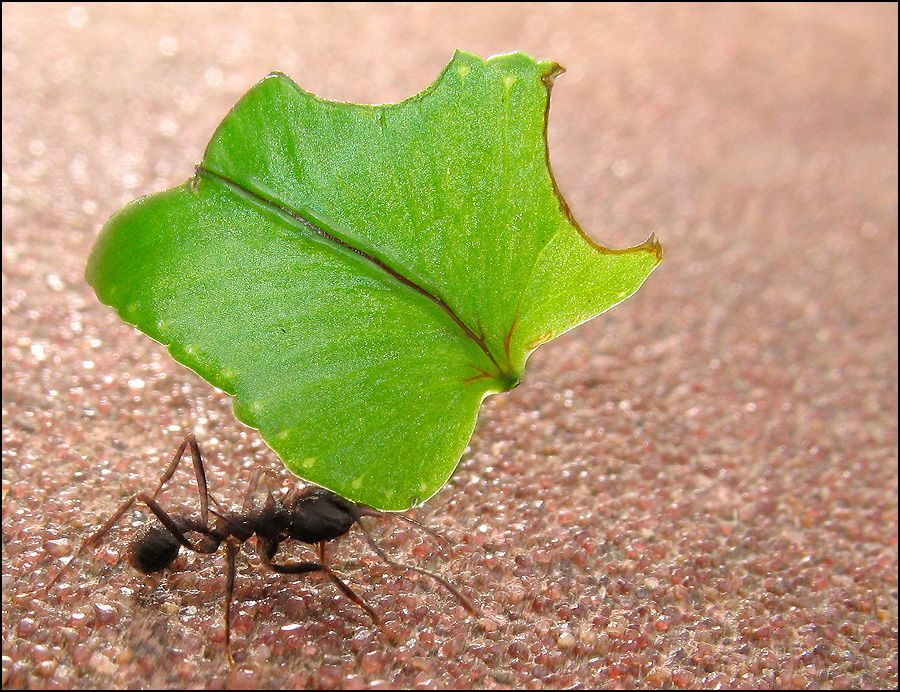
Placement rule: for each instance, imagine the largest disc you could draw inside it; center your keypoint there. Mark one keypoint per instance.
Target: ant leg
(251, 488)
(94, 538)
(466, 603)
(199, 472)
(254, 482)
(210, 545)
(266, 551)
(231, 551)
(323, 560)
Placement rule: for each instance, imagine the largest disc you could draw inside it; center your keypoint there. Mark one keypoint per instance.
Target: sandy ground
(698, 489)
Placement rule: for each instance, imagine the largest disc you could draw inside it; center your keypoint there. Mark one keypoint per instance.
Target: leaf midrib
(506, 379)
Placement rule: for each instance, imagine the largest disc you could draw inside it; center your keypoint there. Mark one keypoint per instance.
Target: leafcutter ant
(311, 515)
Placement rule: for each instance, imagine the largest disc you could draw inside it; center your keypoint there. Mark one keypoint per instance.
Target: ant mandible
(311, 515)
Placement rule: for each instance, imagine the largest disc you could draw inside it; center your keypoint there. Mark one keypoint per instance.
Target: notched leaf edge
(549, 71)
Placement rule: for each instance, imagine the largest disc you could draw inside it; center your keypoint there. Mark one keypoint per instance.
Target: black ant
(311, 515)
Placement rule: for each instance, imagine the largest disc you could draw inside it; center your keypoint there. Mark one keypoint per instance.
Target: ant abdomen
(153, 549)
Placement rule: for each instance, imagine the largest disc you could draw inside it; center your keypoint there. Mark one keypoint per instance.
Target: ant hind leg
(188, 442)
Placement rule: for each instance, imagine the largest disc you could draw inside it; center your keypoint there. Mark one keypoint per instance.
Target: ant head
(152, 550)
(317, 514)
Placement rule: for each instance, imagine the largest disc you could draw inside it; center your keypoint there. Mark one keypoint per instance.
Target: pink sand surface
(698, 489)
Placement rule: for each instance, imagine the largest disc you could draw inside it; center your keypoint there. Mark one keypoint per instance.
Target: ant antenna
(466, 603)
(447, 545)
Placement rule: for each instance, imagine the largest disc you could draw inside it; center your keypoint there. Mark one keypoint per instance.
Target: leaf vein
(479, 341)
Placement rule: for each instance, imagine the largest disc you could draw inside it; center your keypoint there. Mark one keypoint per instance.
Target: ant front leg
(231, 550)
(266, 550)
(150, 500)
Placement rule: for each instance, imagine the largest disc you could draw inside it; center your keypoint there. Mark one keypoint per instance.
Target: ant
(311, 515)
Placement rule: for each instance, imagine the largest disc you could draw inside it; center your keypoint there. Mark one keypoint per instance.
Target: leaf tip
(550, 70)
(460, 54)
(277, 74)
(653, 245)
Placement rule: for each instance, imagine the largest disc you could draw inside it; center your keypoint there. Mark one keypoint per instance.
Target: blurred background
(697, 489)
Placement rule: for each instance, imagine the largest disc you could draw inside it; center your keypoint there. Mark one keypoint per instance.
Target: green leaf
(361, 277)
